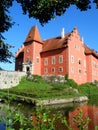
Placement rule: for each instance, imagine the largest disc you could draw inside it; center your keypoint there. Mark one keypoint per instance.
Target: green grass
(39, 89)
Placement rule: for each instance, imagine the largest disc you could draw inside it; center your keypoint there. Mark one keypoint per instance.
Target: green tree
(5, 54)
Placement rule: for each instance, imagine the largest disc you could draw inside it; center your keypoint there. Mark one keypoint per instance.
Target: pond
(69, 110)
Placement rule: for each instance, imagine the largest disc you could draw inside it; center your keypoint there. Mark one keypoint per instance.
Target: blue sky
(86, 22)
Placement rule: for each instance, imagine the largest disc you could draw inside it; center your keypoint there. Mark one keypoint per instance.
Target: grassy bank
(39, 89)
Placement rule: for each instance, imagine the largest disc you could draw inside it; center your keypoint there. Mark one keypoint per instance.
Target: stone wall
(10, 79)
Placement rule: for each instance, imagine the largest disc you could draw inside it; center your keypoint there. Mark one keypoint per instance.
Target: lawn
(39, 89)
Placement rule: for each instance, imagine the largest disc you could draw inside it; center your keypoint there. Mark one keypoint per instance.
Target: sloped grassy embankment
(38, 89)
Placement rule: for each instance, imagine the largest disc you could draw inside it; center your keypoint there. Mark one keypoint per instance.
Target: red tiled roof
(21, 50)
(55, 43)
(33, 35)
(89, 51)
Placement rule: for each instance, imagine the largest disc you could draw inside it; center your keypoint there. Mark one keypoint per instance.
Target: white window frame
(72, 70)
(72, 59)
(60, 59)
(79, 61)
(46, 61)
(60, 69)
(37, 59)
(79, 71)
(53, 70)
(45, 70)
(53, 60)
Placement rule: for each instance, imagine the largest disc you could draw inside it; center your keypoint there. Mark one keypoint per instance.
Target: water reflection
(90, 111)
(69, 110)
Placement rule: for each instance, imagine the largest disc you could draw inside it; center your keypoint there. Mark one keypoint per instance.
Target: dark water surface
(70, 110)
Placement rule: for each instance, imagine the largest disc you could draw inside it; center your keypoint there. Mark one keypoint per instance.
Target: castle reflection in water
(88, 111)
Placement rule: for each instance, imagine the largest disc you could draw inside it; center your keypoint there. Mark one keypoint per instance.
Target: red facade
(62, 55)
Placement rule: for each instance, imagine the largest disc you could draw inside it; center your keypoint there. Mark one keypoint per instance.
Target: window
(72, 69)
(53, 70)
(60, 59)
(72, 59)
(77, 47)
(45, 70)
(46, 61)
(37, 59)
(53, 60)
(79, 71)
(79, 61)
(60, 69)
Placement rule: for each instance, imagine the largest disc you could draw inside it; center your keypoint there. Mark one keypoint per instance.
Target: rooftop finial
(62, 33)
(82, 40)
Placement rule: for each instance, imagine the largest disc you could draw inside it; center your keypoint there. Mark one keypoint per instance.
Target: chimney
(82, 40)
(62, 33)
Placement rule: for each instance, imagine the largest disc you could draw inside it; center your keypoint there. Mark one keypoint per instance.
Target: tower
(32, 48)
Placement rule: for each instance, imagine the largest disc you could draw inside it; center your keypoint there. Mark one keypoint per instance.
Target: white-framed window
(79, 71)
(53, 60)
(46, 61)
(79, 61)
(37, 59)
(60, 69)
(52, 70)
(77, 47)
(72, 59)
(45, 70)
(60, 59)
(72, 69)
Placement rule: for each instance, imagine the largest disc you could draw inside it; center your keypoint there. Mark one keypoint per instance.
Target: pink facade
(62, 55)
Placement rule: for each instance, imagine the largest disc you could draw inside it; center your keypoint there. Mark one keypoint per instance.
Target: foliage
(12, 118)
(89, 88)
(80, 122)
(1, 68)
(41, 119)
(5, 54)
(45, 10)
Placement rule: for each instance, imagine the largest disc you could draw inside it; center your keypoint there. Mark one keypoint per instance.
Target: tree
(43, 10)
(5, 54)
(5, 24)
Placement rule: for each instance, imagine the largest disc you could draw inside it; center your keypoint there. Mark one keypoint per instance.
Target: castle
(62, 55)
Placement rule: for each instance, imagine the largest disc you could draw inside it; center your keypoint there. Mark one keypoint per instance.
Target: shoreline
(47, 102)
(62, 101)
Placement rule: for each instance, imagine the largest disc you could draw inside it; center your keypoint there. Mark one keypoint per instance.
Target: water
(69, 110)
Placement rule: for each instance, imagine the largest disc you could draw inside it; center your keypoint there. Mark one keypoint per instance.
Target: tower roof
(33, 35)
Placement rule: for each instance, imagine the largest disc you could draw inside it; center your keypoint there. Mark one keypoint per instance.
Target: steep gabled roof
(33, 35)
(55, 43)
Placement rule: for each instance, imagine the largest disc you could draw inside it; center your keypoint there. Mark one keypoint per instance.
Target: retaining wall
(10, 79)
